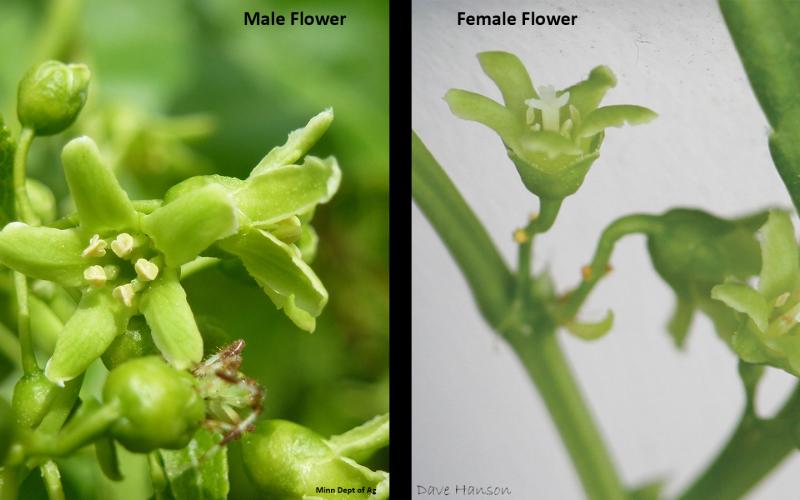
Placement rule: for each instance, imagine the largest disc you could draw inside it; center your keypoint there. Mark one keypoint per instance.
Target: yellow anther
(96, 248)
(122, 245)
(146, 270)
(124, 293)
(520, 236)
(95, 275)
(586, 272)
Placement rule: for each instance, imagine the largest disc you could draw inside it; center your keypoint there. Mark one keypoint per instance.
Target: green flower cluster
(125, 257)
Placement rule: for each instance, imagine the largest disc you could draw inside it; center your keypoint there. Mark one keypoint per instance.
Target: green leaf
(361, 442)
(586, 95)
(785, 150)
(7, 149)
(475, 107)
(284, 191)
(44, 253)
(97, 321)
(279, 269)
(298, 143)
(171, 321)
(591, 331)
(199, 471)
(102, 204)
(766, 36)
(652, 490)
(614, 116)
(188, 225)
(511, 77)
(744, 299)
(779, 256)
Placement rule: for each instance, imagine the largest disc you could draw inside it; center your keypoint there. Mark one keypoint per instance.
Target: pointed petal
(511, 77)
(308, 243)
(591, 331)
(191, 223)
(614, 116)
(98, 319)
(779, 256)
(744, 299)
(280, 271)
(284, 191)
(680, 321)
(475, 107)
(586, 95)
(298, 143)
(200, 181)
(171, 321)
(101, 202)
(44, 253)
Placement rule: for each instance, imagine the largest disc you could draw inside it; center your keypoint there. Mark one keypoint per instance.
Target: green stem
(544, 361)
(78, 433)
(462, 233)
(537, 225)
(754, 449)
(629, 224)
(52, 480)
(197, 265)
(23, 204)
(29, 364)
(10, 486)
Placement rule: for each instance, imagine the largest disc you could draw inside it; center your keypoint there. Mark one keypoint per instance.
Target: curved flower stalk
(127, 261)
(767, 331)
(553, 137)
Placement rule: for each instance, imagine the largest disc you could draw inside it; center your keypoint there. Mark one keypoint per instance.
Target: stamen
(122, 245)
(520, 236)
(96, 248)
(124, 293)
(146, 270)
(566, 127)
(550, 105)
(95, 275)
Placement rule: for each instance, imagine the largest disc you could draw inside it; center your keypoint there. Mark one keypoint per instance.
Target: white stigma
(96, 248)
(124, 293)
(146, 270)
(95, 275)
(550, 106)
(122, 245)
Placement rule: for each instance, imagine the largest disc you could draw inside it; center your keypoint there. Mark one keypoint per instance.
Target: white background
(476, 416)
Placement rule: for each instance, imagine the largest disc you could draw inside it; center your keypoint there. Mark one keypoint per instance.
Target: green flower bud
(51, 95)
(160, 407)
(32, 398)
(693, 252)
(134, 342)
(286, 460)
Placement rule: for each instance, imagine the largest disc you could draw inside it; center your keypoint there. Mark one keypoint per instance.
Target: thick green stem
(542, 357)
(463, 234)
(754, 449)
(629, 224)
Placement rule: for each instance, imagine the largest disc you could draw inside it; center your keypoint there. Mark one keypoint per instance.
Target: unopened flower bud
(51, 95)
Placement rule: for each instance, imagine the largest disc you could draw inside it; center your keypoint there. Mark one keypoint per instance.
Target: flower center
(550, 106)
(129, 270)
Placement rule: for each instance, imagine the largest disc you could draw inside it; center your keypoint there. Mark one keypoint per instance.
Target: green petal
(201, 181)
(779, 256)
(680, 321)
(308, 243)
(287, 230)
(171, 321)
(191, 223)
(586, 95)
(46, 326)
(550, 143)
(591, 331)
(614, 116)
(298, 143)
(475, 107)
(280, 271)
(511, 77)
(101, 202)
(745, 300)
(98, 319)
(44, 253)
(287, 190)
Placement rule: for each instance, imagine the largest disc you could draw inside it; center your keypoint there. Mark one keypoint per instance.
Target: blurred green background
(182, 88)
